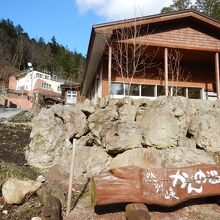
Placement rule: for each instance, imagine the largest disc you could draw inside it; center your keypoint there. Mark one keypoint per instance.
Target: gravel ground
(14, 138)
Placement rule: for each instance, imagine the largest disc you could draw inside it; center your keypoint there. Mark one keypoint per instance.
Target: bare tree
(176, 72)
(40, 55)
(130, 56)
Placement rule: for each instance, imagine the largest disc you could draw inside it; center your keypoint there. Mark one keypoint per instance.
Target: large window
(134, 90)
(148, 90)
(143, 90)
(117, 89)
(179, 91)
(137, 90)
(160, 90)
(194, 93)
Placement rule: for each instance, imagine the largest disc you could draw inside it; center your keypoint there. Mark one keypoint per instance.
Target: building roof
(47, 92)
(70, 85)
(101, 33)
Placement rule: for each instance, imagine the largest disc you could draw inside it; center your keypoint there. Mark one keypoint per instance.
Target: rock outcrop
(166, 132)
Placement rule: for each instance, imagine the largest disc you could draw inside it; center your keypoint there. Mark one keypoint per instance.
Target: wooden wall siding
(185, 38)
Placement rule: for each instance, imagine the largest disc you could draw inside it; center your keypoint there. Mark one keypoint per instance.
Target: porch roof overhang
(102, 33)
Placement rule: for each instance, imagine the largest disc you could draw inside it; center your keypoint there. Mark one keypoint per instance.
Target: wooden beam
(217, 75)
(166, 70)
(109, 69)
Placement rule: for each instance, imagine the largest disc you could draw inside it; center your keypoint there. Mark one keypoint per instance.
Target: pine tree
(177, 5)
(209, 7)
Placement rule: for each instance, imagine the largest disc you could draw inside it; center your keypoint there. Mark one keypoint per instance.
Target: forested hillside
(17, 49)
(208, 7)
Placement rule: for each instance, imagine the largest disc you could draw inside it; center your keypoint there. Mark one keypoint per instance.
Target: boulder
(74, 120)
(100, 117)
(141, 157)
(124, 101)
(127, 112)
(152, 158)
(160, 128)
(53, 189)
(200, 107)
(103, 102)
(120, 136)
(52, 209)
(205, 131)
(14, 191)
(87, 107)
(88, 140)
(49, 139)
(184, 156)
(90, 161)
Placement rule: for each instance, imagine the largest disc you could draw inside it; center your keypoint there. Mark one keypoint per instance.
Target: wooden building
(71, 93)
(166, 54)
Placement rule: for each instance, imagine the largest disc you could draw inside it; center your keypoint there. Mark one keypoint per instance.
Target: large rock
(14, 191)
(200, 107)
(152, 158)
(52, 209)
(205, 129)
(53, 189)
(100, 117)
(86, 107)
(127, 112)
(184, 156)
(74, 120)
(141, 157)
(121, 136)
(89, 161)
(52, 130)
(160, 128)
(49, 139)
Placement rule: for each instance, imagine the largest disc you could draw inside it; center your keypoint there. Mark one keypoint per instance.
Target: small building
(30, 80)
(23, 87)
(165, 54)
(71, 92)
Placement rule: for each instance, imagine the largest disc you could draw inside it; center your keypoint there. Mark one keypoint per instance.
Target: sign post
(68, 207)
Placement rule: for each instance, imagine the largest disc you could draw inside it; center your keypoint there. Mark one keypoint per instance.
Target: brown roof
(72, 85)
(47, 92)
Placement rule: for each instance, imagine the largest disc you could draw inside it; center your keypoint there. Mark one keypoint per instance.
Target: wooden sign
(165, 187)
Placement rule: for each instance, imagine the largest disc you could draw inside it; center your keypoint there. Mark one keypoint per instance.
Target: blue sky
(70, 21)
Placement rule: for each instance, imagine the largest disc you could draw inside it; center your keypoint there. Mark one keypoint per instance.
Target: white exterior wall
(29, 80)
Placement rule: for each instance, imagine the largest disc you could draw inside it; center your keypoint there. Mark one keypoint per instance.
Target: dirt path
(6, 113)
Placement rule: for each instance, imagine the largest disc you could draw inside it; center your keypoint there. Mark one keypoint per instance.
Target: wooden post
(109, 69)
(69, 197)
(166, 70)
(96, 91)
(217, 74)
(137, 211)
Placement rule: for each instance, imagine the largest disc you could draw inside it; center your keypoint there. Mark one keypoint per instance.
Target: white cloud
(117, 9)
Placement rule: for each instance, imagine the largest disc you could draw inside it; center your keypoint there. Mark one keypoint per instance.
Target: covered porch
(199, 77)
